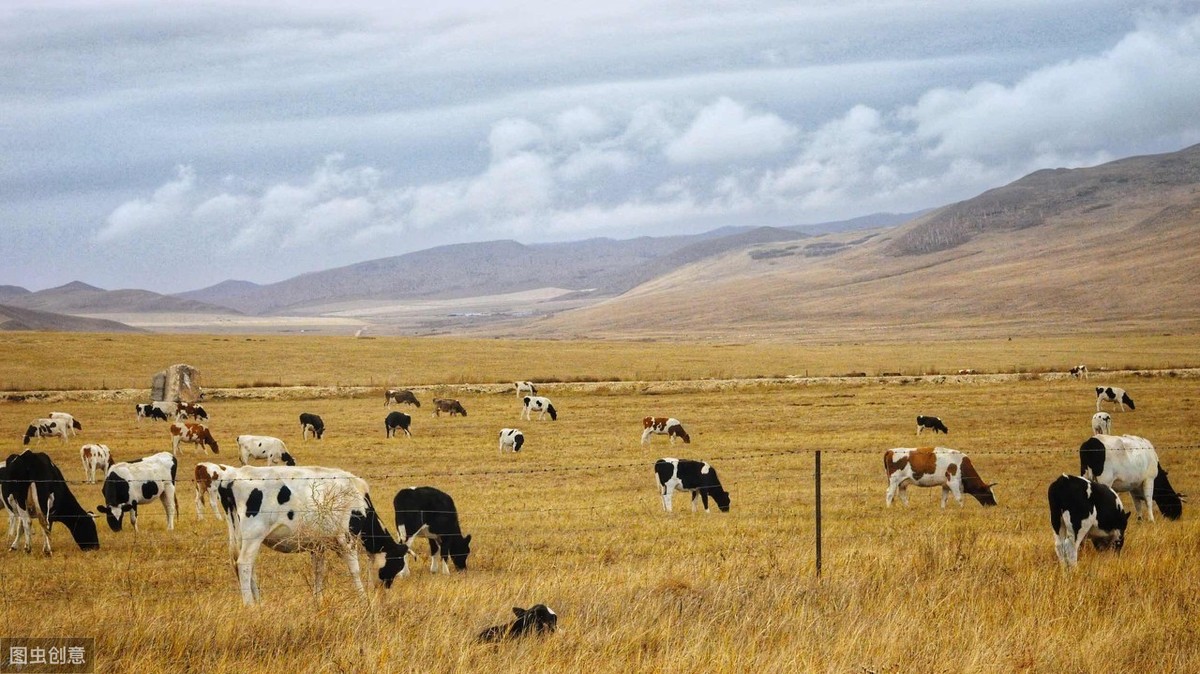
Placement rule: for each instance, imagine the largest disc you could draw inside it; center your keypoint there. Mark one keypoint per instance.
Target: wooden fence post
(817, 478)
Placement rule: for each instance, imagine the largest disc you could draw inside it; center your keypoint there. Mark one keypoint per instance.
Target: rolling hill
(16, 318)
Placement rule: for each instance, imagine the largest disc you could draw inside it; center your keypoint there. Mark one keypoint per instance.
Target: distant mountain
(12, 292)
(80, 298)
(16, 318)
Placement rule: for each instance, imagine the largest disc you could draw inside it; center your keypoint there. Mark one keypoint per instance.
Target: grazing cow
(697, 477)
(1082, 509)
(512, 438)
(541, 405)
(167, 407)
(942, 467)
(32, 486)
(1101, 423)
(669, 427)
(430, 513)
(1113, 394)
(130, 484)
(311, 424)
(207, 476)
(47, 428)
(72, 423)
(1079, 371)
(190, 410)
(933, 423)
(394, 421)
(149, 411)
(1129, 463)
(534, 620)
(449, 406)
(197, 434)
(400, 396)
(304, 509)
(263, 447)
(525, 387)
(94, 457)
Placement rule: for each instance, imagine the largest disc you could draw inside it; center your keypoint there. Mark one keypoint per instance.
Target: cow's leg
(175, 445)
(695, 495)
(904, 492)
(168, 498)
(703, 499)
(406, 432)
(350, 557)
(945, 493)
(666, 497)
(646, 435)
(245, 570)
(199, 501)
(433, 556)
(133, 516)
(893, 486)
(1147, 499)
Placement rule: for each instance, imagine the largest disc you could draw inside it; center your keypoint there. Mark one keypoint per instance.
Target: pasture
(574, 520)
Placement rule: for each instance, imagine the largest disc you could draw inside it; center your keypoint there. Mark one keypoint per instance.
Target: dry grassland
(574, 520)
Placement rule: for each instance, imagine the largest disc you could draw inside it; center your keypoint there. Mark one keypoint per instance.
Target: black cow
(400, 396)
(1081, 508)
(430, 513)
(150, 411)
(533, 620)
(695, 476)
(933, 423)
(30, 484)
(311, 423)
(396, 420)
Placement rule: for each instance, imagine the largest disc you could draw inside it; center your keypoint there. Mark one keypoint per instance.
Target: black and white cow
(696, 477)
(512, 438)
(94, 457)
(73, 424)
(933, 423)
(1079, 371)
(311, 423)
(449, 406)
(400, 396)
(525, 387)
(149, 411)
(1112, 394)
(1129, 463)
(535, 620)
(130, 484)
(32, 486)
(1101, 423)
(430, 513)
(263, 447)
(305, 509)
(1081, 509)
(396, 421)
(539, 404)
(47, 428)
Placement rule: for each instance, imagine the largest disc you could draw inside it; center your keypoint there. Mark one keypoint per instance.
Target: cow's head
(721, 497)
(116, 500)
(459, 551)
(535, 619)
(392, 562)
(287, 459)
(1115, 540)
(677, 430)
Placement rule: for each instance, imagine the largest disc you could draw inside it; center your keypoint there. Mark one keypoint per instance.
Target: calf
(263, 447)
(534, 620)
(94, 457)
(449, 406)
(190, 410)
(1082, 509)
(73, 425)
(304, 509)
(47, 428)
(1080, 371)
(430, 513)
(149, 411)
(667, 426)
(525, 387)
(130, 484)
(311, 424)
(541, 405)
(1113, 394)
(933, 423)
(207, 476)
(400, 396)
(32, 486)
(394, 421)
(942, 467)
(696, 477)
(1129, 463)
(197, 434)
(511, 438)
(1101, 423)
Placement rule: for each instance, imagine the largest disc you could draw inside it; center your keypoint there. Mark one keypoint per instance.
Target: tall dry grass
(574, 521)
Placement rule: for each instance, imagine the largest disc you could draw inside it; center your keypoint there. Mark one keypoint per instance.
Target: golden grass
(574, 521)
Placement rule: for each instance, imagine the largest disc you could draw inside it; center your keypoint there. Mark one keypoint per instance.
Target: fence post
(817, 478)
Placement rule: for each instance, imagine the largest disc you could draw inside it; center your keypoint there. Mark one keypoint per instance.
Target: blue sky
(170, 146)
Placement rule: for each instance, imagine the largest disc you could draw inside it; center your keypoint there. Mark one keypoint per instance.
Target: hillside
(80, 298)
(16, 318)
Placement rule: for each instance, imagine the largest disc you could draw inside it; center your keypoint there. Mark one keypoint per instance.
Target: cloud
(162, 209)
(509, 136)
(727, 131)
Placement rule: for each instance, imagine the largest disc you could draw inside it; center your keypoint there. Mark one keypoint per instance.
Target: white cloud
(510, 136)
(591, 162)
(726, 131)
(579, 123)
(163, 209)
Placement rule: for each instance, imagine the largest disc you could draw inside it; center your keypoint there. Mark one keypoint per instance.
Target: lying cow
(73, 424)
(263, 447)
(94, 457)
(933, 423)
(32, 486)
(1129, 463)
(311, 424)
(541, 405)
(449, 406)
(696, 477)
(667, 426)
(47, 428)
(149, 411)
(305, 509)
(1081, 509)
(535, 620)
(942, 467)
(1101, 423)
(396, 421)
(430, 513)
(512, 438)
(130, 484)
(399, 396)
(197, 434)
(1112, 394)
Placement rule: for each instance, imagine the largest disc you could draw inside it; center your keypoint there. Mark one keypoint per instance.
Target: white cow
(539, 404)
(263, 447)
(1129, 463)
(73, 426)
(1101, 423)
(512, 438)
(94, 457)
(129, 484)
(525, 387)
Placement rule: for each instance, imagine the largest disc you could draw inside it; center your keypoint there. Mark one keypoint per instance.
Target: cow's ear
(1127, 514)
(467, 538)
(518, 611)
(103, 508)
(992, 485)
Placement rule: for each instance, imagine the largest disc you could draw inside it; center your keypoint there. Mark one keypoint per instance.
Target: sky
(171, 146)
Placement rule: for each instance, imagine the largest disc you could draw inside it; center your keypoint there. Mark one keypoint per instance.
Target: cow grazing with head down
(190, 410)
(1113, 394)
(263, 447)
(535, 620)
(311, 424)
(449, 406)
(1101, 423)
(933, 423)
(94, 457)
(512, 438)
(149, 411)
(667, 426)
(539, 404)
(1129, 463)
(73, 424)
(1081, 509)
(197, 434)
(400, 396)
(32, 486)
(47, 428)
(525, 387)
(1079, 371)
(942, 467)
(696, 477)
(430, 513)
(396, 421)
(207, 475)
(305, 509)
(130, 484)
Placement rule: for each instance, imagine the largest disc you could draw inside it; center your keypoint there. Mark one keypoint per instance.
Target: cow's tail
(1127, 400)
(1169, 501)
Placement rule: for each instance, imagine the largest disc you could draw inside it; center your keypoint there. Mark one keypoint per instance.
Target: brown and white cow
(449, 406)
(207, 475)
(667, 426)
(942, 467)
(94, 457)
(185, 410)
(197, 434)
(400, 396)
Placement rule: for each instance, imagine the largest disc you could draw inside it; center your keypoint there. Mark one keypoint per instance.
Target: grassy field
(574, 520)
